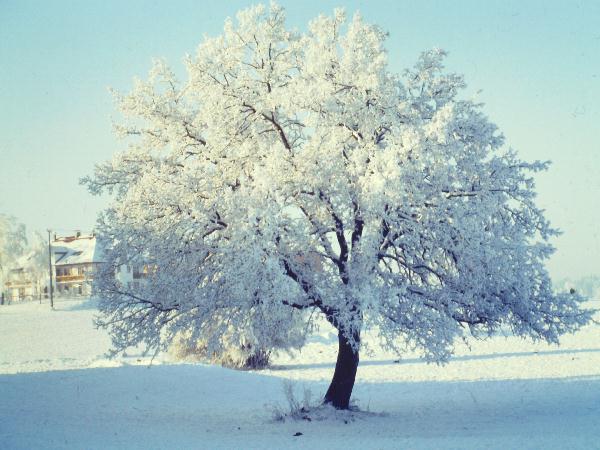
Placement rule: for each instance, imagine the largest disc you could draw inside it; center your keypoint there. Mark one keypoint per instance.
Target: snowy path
(504, 393)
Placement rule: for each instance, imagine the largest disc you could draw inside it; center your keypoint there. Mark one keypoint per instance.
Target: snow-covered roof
(77, 250)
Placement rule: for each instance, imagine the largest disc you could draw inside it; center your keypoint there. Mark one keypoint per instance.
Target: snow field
(58, 390)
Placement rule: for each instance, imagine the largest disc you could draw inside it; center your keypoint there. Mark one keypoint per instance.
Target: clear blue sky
(536, 62)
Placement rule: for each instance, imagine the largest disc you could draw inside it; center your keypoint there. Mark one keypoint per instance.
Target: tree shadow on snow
(407, 361)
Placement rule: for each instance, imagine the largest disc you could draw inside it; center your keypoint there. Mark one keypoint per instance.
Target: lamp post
(50, 270)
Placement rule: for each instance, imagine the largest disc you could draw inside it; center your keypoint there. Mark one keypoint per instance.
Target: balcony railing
(18, 283)
(66, 278)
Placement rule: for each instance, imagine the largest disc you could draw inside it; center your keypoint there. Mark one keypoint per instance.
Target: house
(23, 281)
(76, 259)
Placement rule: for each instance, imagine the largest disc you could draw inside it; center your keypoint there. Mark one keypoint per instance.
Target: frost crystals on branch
(292, 173)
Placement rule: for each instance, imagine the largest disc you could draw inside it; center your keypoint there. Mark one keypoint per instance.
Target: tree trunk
(340, 389)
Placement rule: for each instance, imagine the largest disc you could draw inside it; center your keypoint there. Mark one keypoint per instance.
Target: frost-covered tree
(19, 252)
(13, 240)
(37, 261)
(293, 173)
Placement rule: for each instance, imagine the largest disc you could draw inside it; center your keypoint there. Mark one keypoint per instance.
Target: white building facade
(75, 261)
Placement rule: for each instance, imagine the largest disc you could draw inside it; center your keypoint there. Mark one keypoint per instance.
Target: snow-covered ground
(58, 390)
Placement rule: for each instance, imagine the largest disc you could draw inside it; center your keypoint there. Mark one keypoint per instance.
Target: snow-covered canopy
(293, 172)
